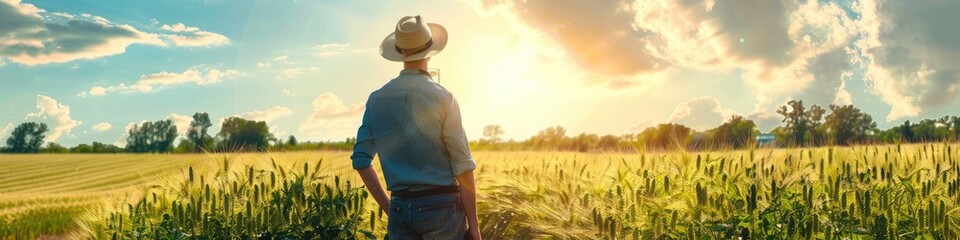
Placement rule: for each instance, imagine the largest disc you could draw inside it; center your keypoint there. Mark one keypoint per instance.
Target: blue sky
(608, 67)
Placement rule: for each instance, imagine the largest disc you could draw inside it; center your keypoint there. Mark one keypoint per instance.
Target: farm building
(767, 140)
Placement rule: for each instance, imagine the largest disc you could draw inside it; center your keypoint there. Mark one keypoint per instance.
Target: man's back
(414, 125)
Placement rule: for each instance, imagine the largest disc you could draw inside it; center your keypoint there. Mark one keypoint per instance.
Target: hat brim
(388, 49)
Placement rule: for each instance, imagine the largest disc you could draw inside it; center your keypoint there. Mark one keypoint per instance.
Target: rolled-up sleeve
(455, 140)
(363, 150)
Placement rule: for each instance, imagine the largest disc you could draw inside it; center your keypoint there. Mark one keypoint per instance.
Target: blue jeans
(434, 217)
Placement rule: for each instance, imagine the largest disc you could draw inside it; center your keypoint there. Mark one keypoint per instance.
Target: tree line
(236, 134)
(801, 126)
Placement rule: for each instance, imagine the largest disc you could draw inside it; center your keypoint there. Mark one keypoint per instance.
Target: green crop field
(868, 192)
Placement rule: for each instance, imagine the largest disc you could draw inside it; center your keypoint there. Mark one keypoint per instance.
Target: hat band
(411, 51)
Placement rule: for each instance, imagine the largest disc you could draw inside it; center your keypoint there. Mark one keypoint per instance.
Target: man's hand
(475, 234)
(372, 181)
(468, 194)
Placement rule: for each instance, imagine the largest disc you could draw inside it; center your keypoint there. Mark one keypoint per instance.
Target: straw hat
(413, 39)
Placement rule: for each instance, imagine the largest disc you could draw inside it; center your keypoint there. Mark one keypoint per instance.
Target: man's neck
(416, 68)
(419, 64)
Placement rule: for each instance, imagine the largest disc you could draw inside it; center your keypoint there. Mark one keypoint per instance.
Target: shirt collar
(410, 71)
(416, 72)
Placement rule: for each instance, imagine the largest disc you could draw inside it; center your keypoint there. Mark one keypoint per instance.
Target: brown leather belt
(425, 193)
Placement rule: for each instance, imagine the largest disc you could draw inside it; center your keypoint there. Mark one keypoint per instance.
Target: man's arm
(455, 140)
(372, 181)
(363, 152)
(468, 194)
(462, 164)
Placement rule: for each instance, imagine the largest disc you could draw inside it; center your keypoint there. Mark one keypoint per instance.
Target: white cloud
(765, 120)
(281, 58)
(148, 82)
(6, 130)
(182, 122)
(907, 51)
(331, 117)
(600, 34)
(328, 49)
(192, 36)
(279, 134)
(784, 48)
(289, 73)
(640, 126)
(700, 113)
(32, 36)
(49, 108)
(910, 51)
(331, 49)
(295, 72)
(198, 39)
(95, 91)
(329, 105)
(179, 27)
(263, 64)
(268, 115)
(122, 141)
(100, 127)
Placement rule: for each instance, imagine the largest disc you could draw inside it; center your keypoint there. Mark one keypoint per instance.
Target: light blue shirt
(413, 124)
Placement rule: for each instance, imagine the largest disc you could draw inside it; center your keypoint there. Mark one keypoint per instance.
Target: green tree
(584, 142)
(608, 142)
(27, 137)
(185, 146)
(53, 147)
(155, 136)
(666, 136)
(905, 131)
(99, 147)
(930, 130)
(782, 135)
(549, 137)
(954, 123)
(239, 134)
(492, 133)
(801, 122)
(82, 148)
(846, 124)
(292, 141)
(736, 133)
(197, 133)
(898, 134)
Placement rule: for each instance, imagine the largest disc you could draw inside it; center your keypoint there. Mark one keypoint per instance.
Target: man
(413, 124)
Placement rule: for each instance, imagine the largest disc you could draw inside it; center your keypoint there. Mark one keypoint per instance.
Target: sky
(92, 69)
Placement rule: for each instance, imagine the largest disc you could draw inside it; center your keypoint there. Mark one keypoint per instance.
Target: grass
(863, 192)
(41, 222)
(881, 192)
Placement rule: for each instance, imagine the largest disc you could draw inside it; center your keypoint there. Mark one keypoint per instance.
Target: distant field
(886, 191)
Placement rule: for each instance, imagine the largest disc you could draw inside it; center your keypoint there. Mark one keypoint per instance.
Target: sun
(502, 72)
